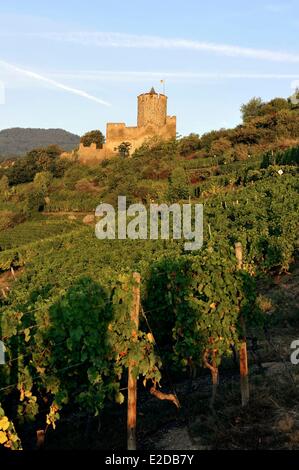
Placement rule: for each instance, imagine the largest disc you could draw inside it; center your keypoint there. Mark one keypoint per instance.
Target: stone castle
(152, 120)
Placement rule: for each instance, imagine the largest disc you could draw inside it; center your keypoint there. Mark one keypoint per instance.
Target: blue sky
(79, 64)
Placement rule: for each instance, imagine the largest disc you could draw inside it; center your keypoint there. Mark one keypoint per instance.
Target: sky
(77, 64)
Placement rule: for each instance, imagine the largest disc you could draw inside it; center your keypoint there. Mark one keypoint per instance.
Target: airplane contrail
(134, 41)
(42, 78)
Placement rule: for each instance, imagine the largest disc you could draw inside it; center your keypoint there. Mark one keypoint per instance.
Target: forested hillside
(18, 141)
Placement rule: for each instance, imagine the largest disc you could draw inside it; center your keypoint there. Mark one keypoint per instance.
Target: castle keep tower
(152, 109)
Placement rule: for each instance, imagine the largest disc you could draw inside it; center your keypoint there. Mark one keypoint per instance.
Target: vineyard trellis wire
(34, 379)
(150, 338)
(201, 297)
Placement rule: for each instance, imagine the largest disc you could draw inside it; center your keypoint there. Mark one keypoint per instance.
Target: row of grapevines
(35, 230)
(75, 351)
(195, 302)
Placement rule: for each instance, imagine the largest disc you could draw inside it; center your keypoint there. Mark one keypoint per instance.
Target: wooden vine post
(40, 438)
(132, 381)
(239, 255)
(215, 377)
(244, 379)
(214, 372)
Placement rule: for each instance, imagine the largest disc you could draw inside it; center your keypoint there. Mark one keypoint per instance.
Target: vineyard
(34, 230)
(71, 342)
(149, 248)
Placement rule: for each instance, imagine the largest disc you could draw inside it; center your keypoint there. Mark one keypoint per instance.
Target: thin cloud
(61, 86)
(120, 40)
(119, 76)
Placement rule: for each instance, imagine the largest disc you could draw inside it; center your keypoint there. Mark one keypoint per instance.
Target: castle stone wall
(152, 120)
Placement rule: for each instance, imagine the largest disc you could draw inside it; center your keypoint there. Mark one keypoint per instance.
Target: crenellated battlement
(152, 109)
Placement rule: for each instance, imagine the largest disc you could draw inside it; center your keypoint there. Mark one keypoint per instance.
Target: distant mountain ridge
(18, 141)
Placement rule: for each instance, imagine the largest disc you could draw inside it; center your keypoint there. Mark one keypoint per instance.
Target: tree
(23, 171)
(275, 105)
(45, 159)
(208, 138)
(246, 135)
(189, 144)
(35, 161)
(220, 147)
(178, 187)
(93, 137)
(124, 149)
(42, 181)
(240, 152)
(251, 109)
(4, 188)
(35, 201)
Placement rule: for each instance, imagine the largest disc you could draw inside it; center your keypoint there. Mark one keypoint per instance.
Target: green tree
(42, 181)
(35, 161)
(93, 137)
(178, 186)
(189, 144)
(251, 109)
(220, 147)
(4, 188)
(34, 201)
(275, 105)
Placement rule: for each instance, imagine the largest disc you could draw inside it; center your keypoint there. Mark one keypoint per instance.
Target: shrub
(10, 219)
(178, 185)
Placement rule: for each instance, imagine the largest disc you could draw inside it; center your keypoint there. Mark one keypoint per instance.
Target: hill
(17, 141)
(66, 296)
